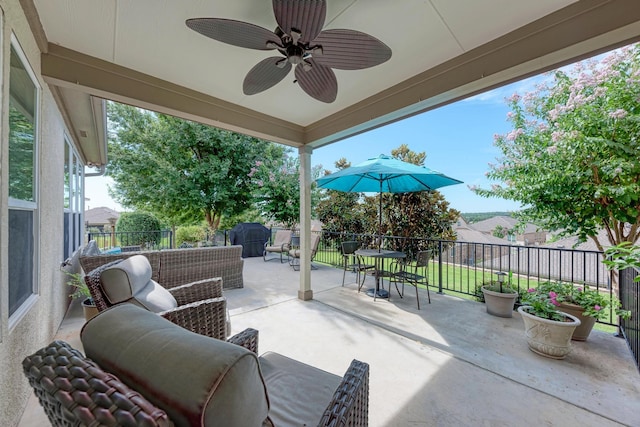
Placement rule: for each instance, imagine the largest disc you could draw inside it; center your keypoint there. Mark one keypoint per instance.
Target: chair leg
(417, 299)
(428, 295)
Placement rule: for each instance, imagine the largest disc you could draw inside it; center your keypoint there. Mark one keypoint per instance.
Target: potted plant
(547, 329)
(585, 303)
(500, 297)
(81, 290)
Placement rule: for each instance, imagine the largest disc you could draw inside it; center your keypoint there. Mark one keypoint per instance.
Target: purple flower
(531, 290)
(552, 295)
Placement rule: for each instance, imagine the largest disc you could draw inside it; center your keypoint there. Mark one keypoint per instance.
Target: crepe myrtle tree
(571, 158)
(276, 187)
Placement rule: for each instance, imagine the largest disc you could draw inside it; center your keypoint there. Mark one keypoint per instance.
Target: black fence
(463, 267)
(132, 241)
(151, 240)
(629, 296)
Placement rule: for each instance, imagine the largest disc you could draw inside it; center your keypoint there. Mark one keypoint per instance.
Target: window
(23, 180)
(73, 203)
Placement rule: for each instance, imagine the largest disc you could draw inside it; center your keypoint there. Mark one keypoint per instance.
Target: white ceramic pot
(549, 338)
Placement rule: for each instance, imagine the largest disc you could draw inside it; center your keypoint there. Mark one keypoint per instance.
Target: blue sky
(458, 141)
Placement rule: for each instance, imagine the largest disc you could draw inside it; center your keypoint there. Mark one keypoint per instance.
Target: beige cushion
(299, 393)
(197, 380)
(131, 278)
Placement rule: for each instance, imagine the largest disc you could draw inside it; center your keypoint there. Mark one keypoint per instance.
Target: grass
(459, 281)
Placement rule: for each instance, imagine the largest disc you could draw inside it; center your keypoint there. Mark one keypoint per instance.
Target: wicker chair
(280, 245)
(190, 380)
(199, 306)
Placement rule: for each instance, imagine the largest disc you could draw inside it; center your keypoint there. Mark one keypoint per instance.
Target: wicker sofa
(175, 267)
(141, 369)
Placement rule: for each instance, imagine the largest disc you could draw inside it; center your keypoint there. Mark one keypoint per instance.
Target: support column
(305, 293)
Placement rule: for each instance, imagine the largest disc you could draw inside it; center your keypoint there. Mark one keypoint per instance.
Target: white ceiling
(150, 37)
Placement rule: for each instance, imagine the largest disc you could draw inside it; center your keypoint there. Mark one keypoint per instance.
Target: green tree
(421, 214)
(180, 170)
(572, 156)
(276, 182)
(138, 228)
(341, 212)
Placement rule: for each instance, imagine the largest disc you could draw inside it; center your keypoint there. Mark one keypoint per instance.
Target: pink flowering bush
(570, 157)
(547, 297)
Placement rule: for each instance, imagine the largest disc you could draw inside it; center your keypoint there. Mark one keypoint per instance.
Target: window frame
(73, 212)
(32, 206)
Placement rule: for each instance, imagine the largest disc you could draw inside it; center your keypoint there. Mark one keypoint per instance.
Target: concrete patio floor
(448, 364)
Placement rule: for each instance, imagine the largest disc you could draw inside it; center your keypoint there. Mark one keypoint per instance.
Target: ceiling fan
(299, 37)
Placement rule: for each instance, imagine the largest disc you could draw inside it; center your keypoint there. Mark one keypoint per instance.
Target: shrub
(138, 228)
(190, 234)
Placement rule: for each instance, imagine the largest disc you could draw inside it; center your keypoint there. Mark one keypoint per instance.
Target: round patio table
(379, 255)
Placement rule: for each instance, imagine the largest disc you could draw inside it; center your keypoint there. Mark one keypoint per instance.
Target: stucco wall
(41, 322)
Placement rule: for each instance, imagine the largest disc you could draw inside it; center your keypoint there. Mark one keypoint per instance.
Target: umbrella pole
(380, 219)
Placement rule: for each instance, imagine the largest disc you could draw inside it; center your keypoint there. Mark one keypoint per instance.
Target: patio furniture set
(158, 356)
(286, 243)
(401, 269)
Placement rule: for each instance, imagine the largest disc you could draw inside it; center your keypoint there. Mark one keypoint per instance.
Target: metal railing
(630, 298)
(463, 267)
(132, 240)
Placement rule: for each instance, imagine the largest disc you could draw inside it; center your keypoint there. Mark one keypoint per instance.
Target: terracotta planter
(586, 322)
(549, 338)
(89, 309)
(498, 303)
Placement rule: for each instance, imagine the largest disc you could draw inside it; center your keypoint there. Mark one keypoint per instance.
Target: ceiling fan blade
(233, 32)
(305, 16)
(350, 50)
(319, 81)
(265, 74)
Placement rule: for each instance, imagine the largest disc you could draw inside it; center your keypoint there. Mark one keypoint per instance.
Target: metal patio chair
(414, 275)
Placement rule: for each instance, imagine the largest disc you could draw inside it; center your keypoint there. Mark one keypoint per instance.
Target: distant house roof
(466, 234)
(507, 222)
(589, 245)
(100, 215)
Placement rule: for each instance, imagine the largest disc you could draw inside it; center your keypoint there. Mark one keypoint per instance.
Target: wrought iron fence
(463, 267)
(629, 296)
(132, 240)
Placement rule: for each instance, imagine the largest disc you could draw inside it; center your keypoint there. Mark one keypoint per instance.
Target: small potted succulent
(499, 296)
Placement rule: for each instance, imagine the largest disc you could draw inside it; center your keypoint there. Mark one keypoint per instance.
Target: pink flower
(579, 289)
(597, 307)
(552, 295)
(531, 290)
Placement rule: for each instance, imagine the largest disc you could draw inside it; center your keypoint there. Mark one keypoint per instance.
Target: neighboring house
(506, 225)
(473, 246)
(100, 218)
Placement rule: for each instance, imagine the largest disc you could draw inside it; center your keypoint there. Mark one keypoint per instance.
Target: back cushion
(197, 380)
(131, 278)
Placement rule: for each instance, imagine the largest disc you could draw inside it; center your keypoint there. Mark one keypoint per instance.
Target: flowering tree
(572, 156)
(277, 188)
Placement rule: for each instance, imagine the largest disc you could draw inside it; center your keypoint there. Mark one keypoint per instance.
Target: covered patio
(449, 363)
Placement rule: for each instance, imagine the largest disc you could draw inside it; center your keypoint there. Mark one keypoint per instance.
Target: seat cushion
(299, 393)
(197, 380)
(131, 278)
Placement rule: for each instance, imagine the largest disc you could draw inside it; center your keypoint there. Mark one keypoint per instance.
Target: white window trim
(21, 312)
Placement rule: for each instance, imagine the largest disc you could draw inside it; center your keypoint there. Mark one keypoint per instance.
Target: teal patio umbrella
(384, 174)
